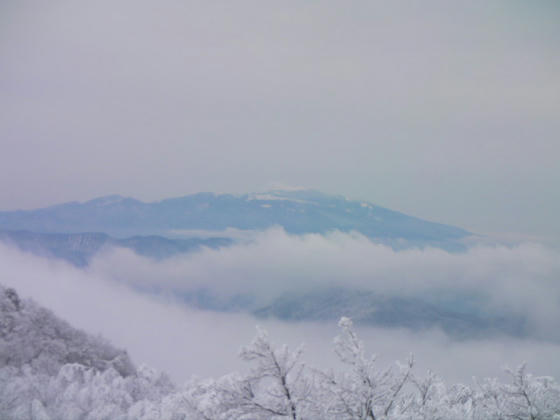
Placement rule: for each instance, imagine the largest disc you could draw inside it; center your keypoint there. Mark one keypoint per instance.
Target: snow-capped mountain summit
(297, 211)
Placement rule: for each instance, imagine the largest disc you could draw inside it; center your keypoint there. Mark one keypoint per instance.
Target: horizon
(501, 237)
(286, 189)
(176, 173)
(446, 112)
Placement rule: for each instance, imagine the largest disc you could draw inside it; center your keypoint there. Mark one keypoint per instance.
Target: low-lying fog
(164, 333)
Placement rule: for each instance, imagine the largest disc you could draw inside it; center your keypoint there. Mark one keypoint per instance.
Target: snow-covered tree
(363, 391)
(277, 386)
(526, 397)
(51, 371)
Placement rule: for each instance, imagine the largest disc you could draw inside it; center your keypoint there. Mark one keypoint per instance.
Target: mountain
(79, 248)
(32, 335)
(298, 212)
(459, 316)
(50, 370)
(155, 229)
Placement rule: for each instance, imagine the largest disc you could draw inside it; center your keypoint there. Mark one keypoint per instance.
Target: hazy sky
(444, 110)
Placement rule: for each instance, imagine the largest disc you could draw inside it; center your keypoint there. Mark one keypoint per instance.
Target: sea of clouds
(109, 297)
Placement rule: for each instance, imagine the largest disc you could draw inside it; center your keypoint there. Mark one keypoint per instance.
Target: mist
(508, 279)
(161, 331)
(443, 111)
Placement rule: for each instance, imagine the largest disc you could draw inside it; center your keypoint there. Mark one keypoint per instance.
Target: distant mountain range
(178, 225)
(460, 316)
(298, 212)
(79, 248)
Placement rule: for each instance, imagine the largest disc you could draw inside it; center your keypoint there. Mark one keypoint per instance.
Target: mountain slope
(79, 248)
(33, 336)
(52, 371)
(296, 211)
(459, 316)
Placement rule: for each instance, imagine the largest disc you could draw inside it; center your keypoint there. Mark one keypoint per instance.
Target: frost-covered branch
(50, 371)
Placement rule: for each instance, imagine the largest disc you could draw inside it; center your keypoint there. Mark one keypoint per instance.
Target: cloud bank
(166, 334)
(520, 280)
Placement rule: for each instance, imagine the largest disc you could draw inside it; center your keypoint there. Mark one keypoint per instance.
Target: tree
(364, 391)
(276, 387)
(48, 370)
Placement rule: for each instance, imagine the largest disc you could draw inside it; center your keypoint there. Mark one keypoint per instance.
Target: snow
(278, 386)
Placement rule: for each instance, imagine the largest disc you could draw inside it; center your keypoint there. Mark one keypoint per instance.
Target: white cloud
(511, 278)
(183, 341)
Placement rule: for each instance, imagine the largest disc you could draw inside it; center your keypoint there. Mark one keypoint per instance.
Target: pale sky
(448, 111)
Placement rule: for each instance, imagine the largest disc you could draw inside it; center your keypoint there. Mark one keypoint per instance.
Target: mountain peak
(107, 200)
(298, 211)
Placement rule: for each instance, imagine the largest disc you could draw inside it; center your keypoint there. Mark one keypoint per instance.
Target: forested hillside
(79, 248)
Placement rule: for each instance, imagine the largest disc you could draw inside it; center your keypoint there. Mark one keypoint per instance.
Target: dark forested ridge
(79, 248)
(460, 316)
